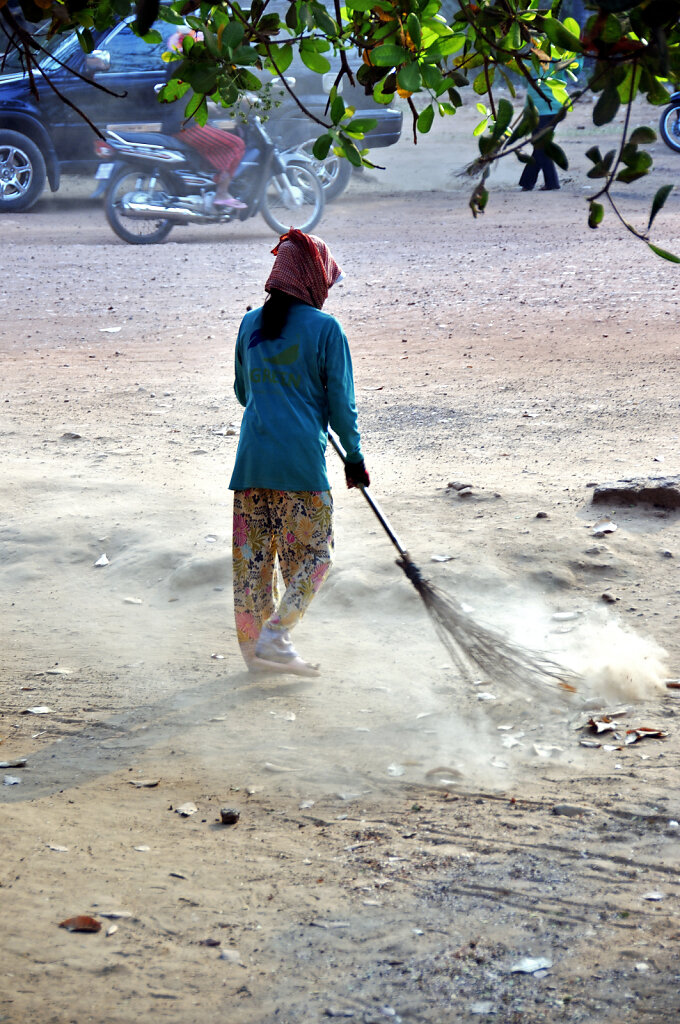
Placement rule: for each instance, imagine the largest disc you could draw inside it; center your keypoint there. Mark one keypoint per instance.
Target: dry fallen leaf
(82, 923)
(644, 732)
(603, 724)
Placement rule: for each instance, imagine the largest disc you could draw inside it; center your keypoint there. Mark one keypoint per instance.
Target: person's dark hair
(275, 313)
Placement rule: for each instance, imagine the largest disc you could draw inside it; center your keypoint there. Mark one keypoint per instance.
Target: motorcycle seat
(155, 139)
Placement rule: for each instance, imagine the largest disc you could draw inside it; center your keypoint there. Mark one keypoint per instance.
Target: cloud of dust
(616, 663)
(619, 664)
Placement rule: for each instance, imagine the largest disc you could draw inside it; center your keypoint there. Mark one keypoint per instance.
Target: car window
(130, 53)
(66, 50)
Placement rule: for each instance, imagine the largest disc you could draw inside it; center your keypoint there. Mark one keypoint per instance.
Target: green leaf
(414, 30)
(173, 90)
(337, 109)
(629, 85)
(315, 61)
(322, 146)
(656, 93)
(361, 125)
(388, 55)
(432, 77)
(323, 20)
(409, 78)
(664, 254)
(560, 36)
(153, 37)
(629, 174)
(305, 16)
(595, 215)
(642, 135)
(486, 144)
(480, 85)
(282, 57)
(555, 153)
(319, 45)
(601, 169)
(513, 39)
(642, 162)
(350, 151)
(481, 127)
(444, 47)
(659, 201)
(197, 108)
(503, 118)
(359, 5)
(594, 154)
(247, 80)
(425, 119)
(245, 55)
(233, 34)
(86, 40)
(382, 97)
(612, 31)
(607, 106)
(201, 77)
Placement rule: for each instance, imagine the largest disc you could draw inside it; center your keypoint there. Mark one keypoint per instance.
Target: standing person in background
(548, 108)
(294, 376)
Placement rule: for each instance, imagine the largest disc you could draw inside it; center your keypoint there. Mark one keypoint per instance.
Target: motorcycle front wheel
(334, 172)
(669, 126)
(136, 231)
(293, 199)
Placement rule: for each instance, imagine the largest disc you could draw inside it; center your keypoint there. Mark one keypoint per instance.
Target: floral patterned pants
(292, 530)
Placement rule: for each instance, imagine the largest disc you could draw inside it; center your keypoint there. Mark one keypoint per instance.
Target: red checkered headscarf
(303, 268)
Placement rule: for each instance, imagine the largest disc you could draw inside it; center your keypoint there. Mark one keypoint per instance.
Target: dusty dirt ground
(398, 850)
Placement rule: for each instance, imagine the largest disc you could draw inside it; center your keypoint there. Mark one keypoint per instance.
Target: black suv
(41, 140)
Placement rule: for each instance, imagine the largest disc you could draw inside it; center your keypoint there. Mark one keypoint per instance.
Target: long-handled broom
(469, 642)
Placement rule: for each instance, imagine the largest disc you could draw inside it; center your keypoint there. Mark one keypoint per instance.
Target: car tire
(22, 172)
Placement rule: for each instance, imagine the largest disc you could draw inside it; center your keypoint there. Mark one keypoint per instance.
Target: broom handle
(380, 516)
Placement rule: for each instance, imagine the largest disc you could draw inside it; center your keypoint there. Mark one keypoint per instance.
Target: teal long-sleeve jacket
(293, 388)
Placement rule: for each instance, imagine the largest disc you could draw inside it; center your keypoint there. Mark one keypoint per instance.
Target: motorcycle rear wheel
(278, 208)
(669, 127)
(136, 232)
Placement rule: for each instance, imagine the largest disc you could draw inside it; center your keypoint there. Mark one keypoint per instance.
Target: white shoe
(275, 645)
(274, 652)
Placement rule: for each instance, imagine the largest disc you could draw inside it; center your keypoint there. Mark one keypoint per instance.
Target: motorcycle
(669, 125)
(157, 182)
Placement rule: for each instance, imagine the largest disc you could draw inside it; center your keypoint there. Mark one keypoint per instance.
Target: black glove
(356, 474)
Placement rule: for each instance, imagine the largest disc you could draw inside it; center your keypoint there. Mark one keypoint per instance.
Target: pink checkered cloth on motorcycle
(221, 149)
(303, 268)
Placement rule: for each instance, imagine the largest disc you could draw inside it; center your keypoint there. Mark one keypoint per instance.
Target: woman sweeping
(294, 377)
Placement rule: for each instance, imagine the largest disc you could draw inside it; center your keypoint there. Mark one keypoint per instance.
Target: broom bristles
(471, 644)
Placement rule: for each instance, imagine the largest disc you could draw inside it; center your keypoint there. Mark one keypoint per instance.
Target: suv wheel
(22, 172)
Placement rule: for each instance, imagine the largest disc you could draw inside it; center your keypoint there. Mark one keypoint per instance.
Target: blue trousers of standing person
(540, 162)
